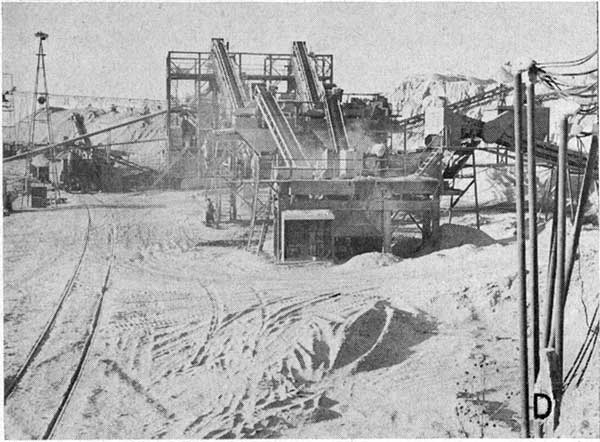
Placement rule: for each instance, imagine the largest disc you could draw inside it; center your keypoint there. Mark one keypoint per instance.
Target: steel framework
(192, 81)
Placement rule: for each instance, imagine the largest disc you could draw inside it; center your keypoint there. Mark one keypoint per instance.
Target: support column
(276, 232)
(198, 85)
(427, 218)
(451, 201)
(405, 152)
(435, 218)
(232, 206)
(169, 136)
(476, 191)
(280, 205)
(218, 217)
(332, 239)
(387, 230)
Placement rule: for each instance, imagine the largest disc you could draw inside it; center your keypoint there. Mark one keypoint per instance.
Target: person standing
(210, 213)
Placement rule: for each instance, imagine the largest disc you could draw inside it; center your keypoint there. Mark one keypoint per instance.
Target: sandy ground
(200, 338)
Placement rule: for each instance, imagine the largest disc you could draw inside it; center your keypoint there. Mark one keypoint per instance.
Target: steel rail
(37, 346)
(75, 378)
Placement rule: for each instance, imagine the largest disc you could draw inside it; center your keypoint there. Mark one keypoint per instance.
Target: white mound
(453, 235)
(371, 260)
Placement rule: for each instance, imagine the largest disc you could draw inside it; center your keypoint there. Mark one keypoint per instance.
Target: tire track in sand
(201, 356)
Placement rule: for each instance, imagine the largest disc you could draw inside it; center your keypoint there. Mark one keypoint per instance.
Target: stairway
(261, 213)
(436, 156)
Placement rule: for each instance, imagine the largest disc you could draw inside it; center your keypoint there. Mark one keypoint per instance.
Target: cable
(553, 81)
(573, 91)
(581, 354)
(573, 74)
(568, 63)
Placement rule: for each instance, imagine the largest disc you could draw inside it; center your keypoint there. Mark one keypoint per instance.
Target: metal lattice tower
(41, 97)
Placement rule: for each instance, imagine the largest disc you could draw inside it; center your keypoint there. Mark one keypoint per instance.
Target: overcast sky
(119, 49)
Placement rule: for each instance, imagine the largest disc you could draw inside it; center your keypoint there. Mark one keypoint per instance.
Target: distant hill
(416, 93)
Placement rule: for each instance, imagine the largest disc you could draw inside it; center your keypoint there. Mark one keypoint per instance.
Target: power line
(571, 63)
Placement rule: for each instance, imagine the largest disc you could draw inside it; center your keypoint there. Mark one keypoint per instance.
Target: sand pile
(453, 235)
(370, 260)
(417, 93)
(591, 213)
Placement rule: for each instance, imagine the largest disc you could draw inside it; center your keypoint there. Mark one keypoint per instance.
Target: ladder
(257, 213)
(265, 225)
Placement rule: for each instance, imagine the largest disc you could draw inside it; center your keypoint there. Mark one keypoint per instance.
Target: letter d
(536, 408)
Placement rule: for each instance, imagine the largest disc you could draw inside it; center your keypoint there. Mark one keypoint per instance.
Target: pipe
(582, 201)
(518, 105)
(81, 137)
(533, 237)
(548, 195)
(583, 195)
(550, 279)
(561, 232)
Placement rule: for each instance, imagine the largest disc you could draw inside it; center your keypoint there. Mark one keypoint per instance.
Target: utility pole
(533, 235)
(532, 199)
(520, 197)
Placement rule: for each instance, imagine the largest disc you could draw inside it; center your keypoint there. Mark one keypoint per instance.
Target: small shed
(307, 234)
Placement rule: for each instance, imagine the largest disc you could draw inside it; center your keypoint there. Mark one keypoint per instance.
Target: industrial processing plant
(258, 250)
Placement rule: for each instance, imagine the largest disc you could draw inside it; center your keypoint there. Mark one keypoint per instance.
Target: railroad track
(54, 365)
(10, 388)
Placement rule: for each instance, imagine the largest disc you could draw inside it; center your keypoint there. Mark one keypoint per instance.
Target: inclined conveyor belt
(306, 71)
(335, 121)
(333, 112)
(227, 74)
(287, 143)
